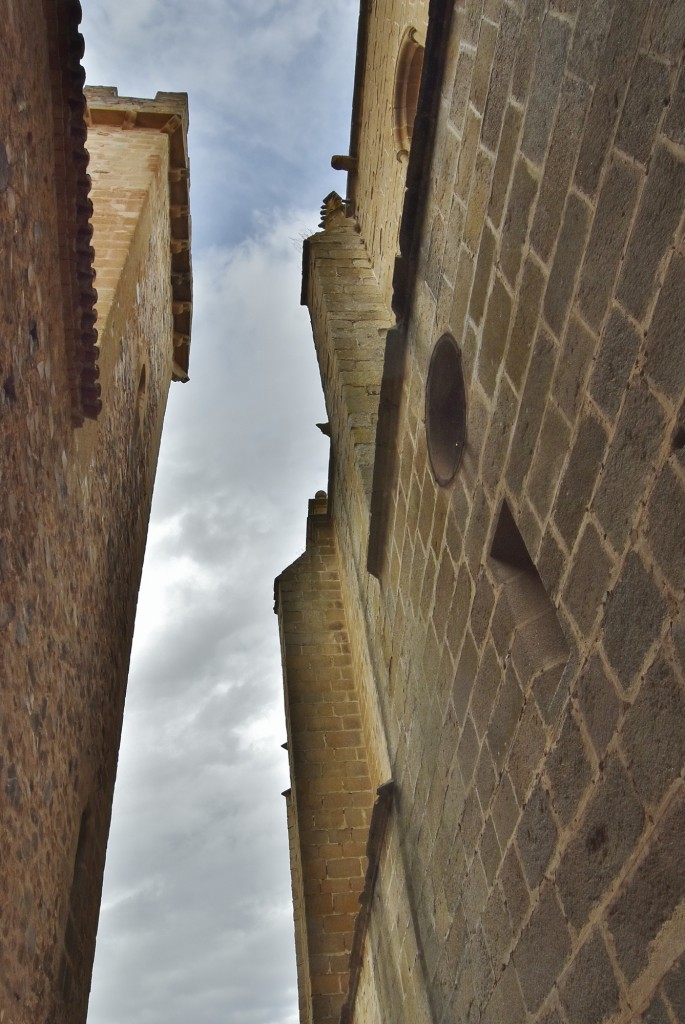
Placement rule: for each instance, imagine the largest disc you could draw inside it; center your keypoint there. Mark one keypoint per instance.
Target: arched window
(407, 82)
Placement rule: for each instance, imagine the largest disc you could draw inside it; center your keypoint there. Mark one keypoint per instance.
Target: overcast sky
(196, 924)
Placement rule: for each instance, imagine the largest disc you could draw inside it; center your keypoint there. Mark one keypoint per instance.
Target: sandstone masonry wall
(534, 714)
(331, 794)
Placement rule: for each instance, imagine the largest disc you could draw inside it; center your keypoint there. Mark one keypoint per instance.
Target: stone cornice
(167, 113)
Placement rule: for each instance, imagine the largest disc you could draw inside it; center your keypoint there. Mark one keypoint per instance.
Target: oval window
(445, 410)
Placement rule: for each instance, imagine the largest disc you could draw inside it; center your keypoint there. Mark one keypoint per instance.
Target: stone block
(506, 152)
(589, 38)
(506, 1002)
(568, 769)
(665, 352)
(629, 462)
(667, 29)
(657, 219)
(548, 460)
(485, 688)
(465, 676)
(573, 103)
(536, 836)
(550, 563)
(607, 240)
(524, 329)
(497, 928)
(542, 950)
(599, 703)
(505, 718)
(561, 283)
(494, 339)
(490, 852)
(514, 888)
(653, 733)
(483, 65)
(615, 359)
(516, 220)
(570, 379)
(531, 410)
(505, 811)
(462, 87)
(606, 837)
(649, 898)
(528, 46)
(589, 993)
(674, 125)
(615, 68)
(588, 579)
(578, 481)
(666, 526)
(633, 619)
(544, 92)
(527, 750)
(674, 988)
(481, 278)
(648, 95)
(503, 64)
(497, 441)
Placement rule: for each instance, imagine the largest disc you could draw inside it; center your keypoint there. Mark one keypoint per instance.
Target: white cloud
(196, 922)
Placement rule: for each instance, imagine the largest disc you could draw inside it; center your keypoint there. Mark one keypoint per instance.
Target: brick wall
(74, 507)
(533, 708)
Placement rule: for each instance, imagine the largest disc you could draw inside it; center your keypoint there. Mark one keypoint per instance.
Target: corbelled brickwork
(74, 508)
(523, 629)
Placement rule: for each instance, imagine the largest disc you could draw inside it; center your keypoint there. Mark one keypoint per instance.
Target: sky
(196, 921)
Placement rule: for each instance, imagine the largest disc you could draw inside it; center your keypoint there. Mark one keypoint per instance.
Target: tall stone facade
(486, 629)
(84, 375)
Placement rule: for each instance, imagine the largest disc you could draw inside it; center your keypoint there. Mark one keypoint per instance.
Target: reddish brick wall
(74, 507)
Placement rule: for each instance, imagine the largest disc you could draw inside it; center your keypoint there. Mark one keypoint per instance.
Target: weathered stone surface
(590, 993)
(607, 836)
(542, 949)
(568, 769)
(652, 893)
(634, 615)
(652, 733)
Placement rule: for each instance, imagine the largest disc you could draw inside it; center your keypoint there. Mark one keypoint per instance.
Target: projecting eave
(167, 113)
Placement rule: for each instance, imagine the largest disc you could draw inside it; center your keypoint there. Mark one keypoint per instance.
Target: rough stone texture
(651, 895)
(590, 993)
(607, 835)
(519, 655)
(74, 508)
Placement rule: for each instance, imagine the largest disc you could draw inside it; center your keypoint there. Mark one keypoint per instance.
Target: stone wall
(74, 508)
(526, 634)
(331, 794)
